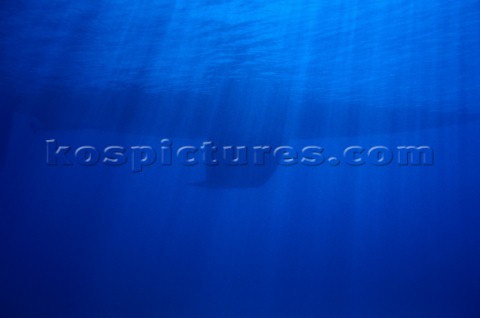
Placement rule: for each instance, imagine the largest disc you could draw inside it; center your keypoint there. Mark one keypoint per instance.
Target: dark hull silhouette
(202, 117)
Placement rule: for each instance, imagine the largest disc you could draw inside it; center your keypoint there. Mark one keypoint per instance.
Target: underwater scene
(231, 159)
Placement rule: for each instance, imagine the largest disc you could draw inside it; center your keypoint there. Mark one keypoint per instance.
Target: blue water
(226, 241)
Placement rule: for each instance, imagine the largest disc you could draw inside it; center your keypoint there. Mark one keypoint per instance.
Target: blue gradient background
(301, 242)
